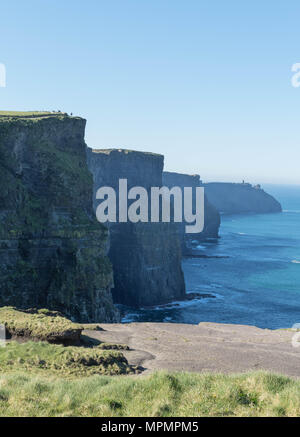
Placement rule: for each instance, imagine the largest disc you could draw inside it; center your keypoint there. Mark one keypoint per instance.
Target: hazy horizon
(208, 85)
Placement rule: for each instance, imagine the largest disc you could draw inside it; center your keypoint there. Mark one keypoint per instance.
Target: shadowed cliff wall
(211, 215)
(146, 257)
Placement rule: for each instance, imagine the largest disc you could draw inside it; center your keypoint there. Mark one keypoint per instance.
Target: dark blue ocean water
(258, 280)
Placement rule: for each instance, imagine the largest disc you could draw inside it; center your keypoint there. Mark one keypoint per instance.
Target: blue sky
(206, 83)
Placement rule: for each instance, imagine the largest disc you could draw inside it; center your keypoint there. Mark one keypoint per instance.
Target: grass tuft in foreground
(64, 361)
(39, 325)
(113, 346)
(160, 394)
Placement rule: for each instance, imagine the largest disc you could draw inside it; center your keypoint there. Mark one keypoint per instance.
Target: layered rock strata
(211, 215)
(146, 257)
(53, 252)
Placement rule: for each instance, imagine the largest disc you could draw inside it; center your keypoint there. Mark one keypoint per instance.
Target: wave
(187, 303)
(295, 261)
(134, 316)
(295, 211)
(216, 285)
(130, 317)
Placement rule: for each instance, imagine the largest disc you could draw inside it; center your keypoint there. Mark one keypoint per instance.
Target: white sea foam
(292, 210)
(295, 261)
(129, 318)
(187, 303)
(133, 316)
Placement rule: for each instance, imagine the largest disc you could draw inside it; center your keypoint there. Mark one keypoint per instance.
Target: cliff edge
(146, 257)
(52, 249)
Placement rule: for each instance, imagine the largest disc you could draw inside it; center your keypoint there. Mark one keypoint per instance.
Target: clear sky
(206, 83)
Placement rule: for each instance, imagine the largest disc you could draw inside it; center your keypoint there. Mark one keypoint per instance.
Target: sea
(249, 276)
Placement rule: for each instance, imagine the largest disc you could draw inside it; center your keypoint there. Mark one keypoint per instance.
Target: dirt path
(207, 347)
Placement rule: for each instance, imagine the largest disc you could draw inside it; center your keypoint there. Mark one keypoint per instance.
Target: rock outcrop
(53, 252)
(211, 215)
(39, 325)
(146, 257)
(233, 198)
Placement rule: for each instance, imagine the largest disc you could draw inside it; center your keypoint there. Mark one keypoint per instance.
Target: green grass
(113, 346)
(30, 114)
(72, 361)
(91, 358)
(160, 394)
(39, 324)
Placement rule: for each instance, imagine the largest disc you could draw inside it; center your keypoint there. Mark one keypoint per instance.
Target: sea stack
(146, 257)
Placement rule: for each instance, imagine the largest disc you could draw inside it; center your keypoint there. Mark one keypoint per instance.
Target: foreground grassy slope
(72, 361)
(88, 357)
(161, 394)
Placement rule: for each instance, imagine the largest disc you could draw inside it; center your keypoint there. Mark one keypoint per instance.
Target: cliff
(211, 215)
(53, 252)
(232, 198)
(146, 257)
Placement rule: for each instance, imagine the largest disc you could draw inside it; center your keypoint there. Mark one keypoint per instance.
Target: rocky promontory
(146, 257)
(53, 252)
(234, 198)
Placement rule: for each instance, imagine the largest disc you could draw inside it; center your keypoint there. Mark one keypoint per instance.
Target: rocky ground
(207, 347)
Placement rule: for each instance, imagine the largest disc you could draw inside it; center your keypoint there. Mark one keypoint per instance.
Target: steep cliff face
(211, 215)
(52, 249)
(146, 257)
(232, 198)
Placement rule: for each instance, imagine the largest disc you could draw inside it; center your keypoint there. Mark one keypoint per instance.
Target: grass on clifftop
(160, 394)
(30, 114)
(49, 359)
(39, 324)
